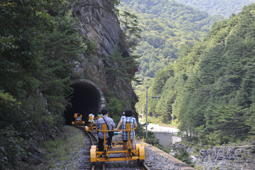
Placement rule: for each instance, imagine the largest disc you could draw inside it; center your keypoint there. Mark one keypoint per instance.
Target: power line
(164, 105)
(231, 130)
(160, 105)
(225, 123)
(171, 114)
(235, 119)
(227, 78)
(165, 108)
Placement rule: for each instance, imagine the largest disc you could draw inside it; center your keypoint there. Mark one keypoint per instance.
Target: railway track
(91, 139)
(144, 166)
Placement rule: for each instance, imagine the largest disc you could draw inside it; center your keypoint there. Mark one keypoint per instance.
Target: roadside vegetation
(39, 41)
(204, 73)
(61, 153)
(214, 7)
(210, 88)
(166, 26)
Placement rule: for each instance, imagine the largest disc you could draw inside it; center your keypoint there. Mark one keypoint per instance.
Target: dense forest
(166, 26)
(222, 7)
(210, 89)
(39, 41)
(206, 83)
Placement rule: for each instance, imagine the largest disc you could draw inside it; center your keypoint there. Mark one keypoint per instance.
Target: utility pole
(158, 97)
(146, 112)
(172, 115)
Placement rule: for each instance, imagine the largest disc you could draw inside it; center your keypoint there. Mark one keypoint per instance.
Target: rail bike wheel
(93, 155)
(137, 146)
(141, 152)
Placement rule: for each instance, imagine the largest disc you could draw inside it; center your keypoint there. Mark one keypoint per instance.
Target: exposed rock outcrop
(227, 157)
(100, 24)
(223, 157)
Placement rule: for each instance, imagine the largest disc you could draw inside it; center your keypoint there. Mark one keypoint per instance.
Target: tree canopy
(210, 88)
(39, 41)
(221, 7)
(166, 27)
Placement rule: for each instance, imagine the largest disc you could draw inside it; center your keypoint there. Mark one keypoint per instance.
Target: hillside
(210, 89)
(54, 65)
(166, 27)
(221, 7)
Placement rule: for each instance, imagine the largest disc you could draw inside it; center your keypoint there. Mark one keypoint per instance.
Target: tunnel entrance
(87, 97)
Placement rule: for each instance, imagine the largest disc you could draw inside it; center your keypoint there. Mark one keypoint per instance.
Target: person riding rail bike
(124, 135)
(110, 123)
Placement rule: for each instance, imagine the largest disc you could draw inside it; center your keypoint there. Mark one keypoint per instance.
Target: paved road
(164, 134)
(155, 127)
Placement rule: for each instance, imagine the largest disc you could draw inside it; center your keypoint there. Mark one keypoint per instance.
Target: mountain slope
(211, 88)
(214, 7)
(166, 26)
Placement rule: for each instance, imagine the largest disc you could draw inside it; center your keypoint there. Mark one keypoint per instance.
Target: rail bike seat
(107, 154)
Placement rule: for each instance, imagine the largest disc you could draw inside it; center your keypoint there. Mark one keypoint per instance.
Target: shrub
(183, 155)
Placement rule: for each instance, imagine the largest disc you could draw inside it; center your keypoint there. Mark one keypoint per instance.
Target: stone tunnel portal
(85, 98)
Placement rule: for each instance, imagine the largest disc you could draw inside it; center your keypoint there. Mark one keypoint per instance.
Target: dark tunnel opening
(84, 99)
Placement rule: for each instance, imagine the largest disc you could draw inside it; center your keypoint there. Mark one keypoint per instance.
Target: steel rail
(144, 166)
(103, 167)
(93, 136)
(90, 135)
(90, 138)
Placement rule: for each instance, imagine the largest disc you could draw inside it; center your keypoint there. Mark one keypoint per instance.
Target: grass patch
(70, 137)
(62, 152)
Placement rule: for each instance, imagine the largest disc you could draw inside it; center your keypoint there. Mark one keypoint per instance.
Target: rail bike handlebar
(114, 130)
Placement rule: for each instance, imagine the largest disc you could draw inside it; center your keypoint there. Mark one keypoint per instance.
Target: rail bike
(92, 122)
(109, 154)
(78, 120)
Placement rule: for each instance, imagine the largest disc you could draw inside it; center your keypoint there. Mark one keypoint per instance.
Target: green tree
(122, 67)
(38, 44)
(212, 90)
(223, 7)
(131, 31)
(227, 122)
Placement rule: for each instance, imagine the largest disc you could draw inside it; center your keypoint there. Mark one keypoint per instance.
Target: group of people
(126, 118)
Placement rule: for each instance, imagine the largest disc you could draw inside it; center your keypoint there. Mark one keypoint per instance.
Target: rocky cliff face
(100, 24)
(223, 157)
(227, 157)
